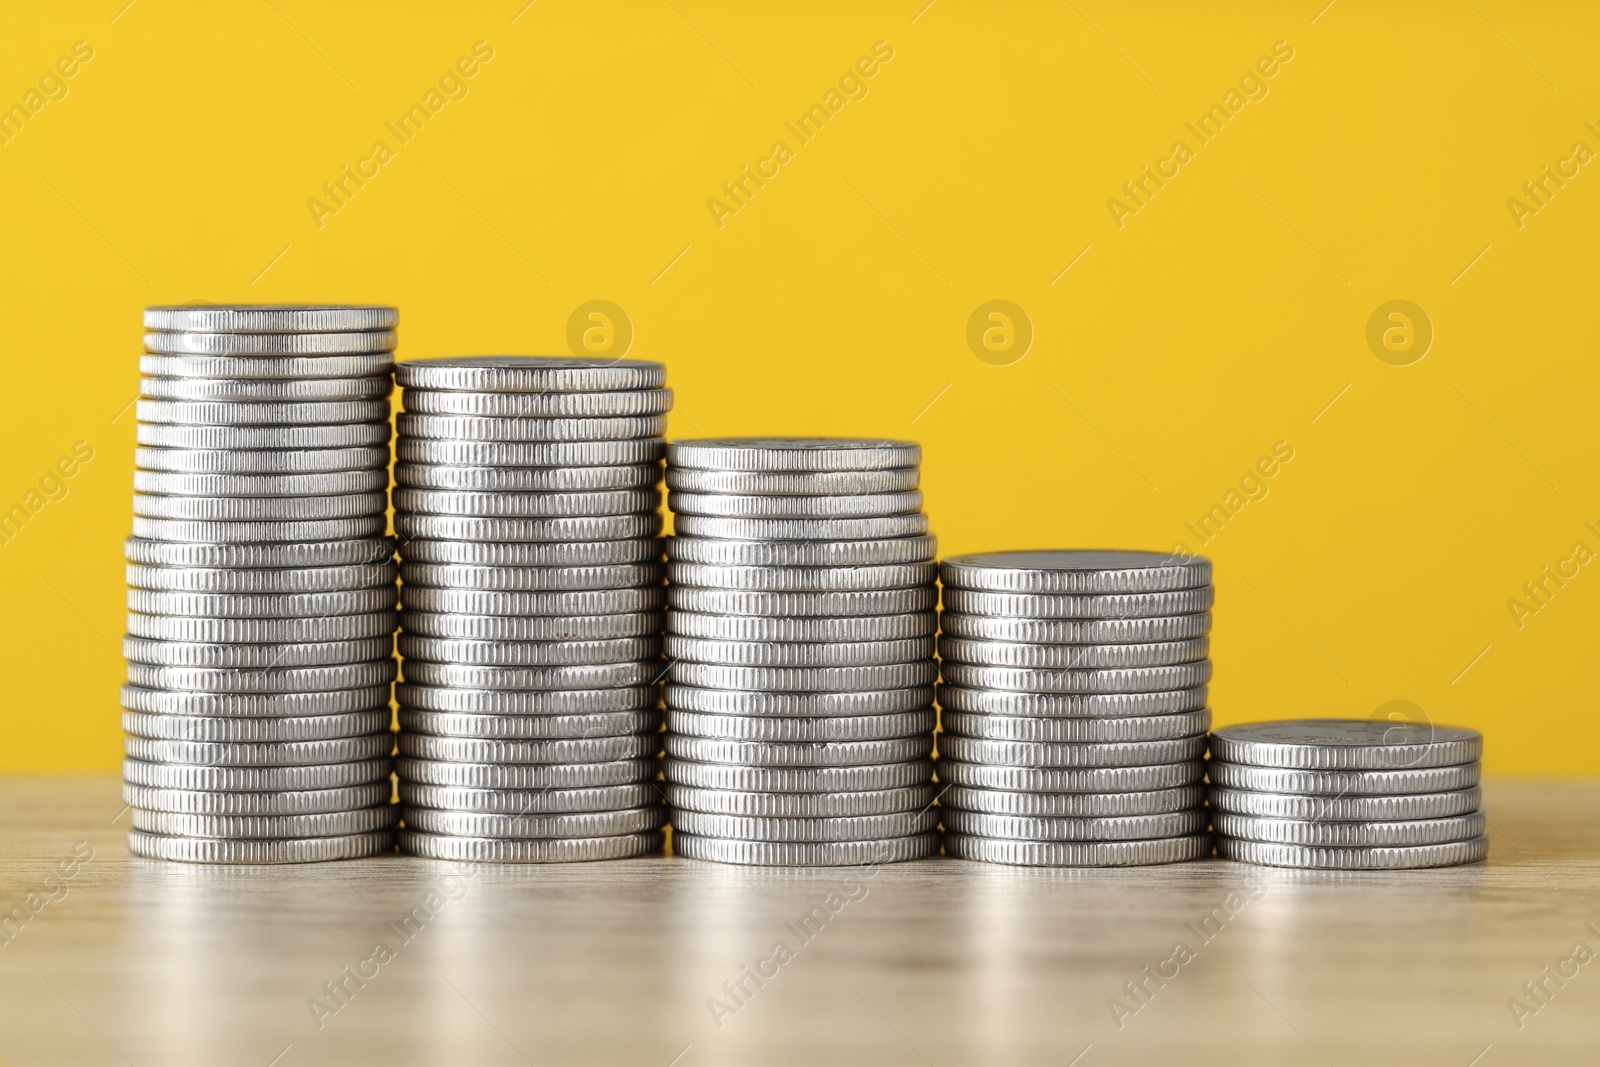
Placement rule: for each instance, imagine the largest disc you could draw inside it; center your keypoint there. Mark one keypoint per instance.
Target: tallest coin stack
(261, 607)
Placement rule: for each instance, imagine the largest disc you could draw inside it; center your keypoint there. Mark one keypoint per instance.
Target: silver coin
(503, 405)
(296, 802)
(1093, 828)
(1086, 754)
(534, 579)
(540, 703)
(273, 754)
(513, 602)
(1069, 705)
(260, 413)
(259, 532)
(1354, 859)
(1071, 805)
(260, 605)
(805, 854)
(526, 505)
(240, 438)
(802, 755)
(270, 462)
(731, 506)
(529, 374)
(255, 779)
(593, 676)
(262, 580)
(918, 549)
(828, 483)
(1386, 834)
(533, 628)
(262, 368)
(528, 653)
(1342, 783)
(170, 483)
(287, 680)
(801, 529)
(228, 631)
(1075, 571)
(530, 453)
(854, 828)
(1076, 731)
(744, 702)
(258, 827)
(528, 479)
(256, 705)
(255, 731)
(799, 654)
(256, 509)
(526, 775)
(532, 554)
(867, 778)
(1346, 744)
(267, 390)
(747, 602)
(804, 579)
(529, 801)
(1071, 780)
(1113, 680)
(548, 850)
(1078, 853)
(497, 750)
(258, 657)
(308, 554)
(280, 850)
(827, 629)
(468, 428)
(195, 343)
(774, 728)
(1069, 657)
(531, 727)
(806, 454)
(805, 679)
(599, 528)
(1064, 606)
(1345, 809)
(271, 318)
(1075, 631)
(536, 826)
(800, 805)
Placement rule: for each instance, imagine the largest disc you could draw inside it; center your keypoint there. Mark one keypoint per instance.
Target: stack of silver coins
(1073, 707)
(1347, 794)
(800, 636)
(528, 508)
(261, 607)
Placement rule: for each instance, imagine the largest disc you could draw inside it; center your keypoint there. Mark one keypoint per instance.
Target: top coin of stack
(800, 638)
(262, 587)
(1073, 707)
(1347, 794)
(527, 502)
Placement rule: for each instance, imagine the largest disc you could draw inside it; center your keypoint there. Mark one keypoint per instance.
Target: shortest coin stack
(1073, 707)
(1347, 794)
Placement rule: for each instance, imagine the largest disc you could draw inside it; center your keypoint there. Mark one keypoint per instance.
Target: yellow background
(1222, 318)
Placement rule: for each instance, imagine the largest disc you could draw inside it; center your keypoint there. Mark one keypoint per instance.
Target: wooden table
(939, 962)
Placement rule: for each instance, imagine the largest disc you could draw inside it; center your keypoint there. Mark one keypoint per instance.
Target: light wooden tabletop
(940, 962)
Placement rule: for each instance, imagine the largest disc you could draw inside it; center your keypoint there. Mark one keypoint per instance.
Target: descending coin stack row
(800, 637)
(261, 604)
(1347, 794)
(1073, 707)
(527, 505)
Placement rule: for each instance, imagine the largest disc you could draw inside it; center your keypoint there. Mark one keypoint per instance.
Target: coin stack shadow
(1073, 707)
(261, 607)
(800, 637)
(528, 507)
(1347, 794)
